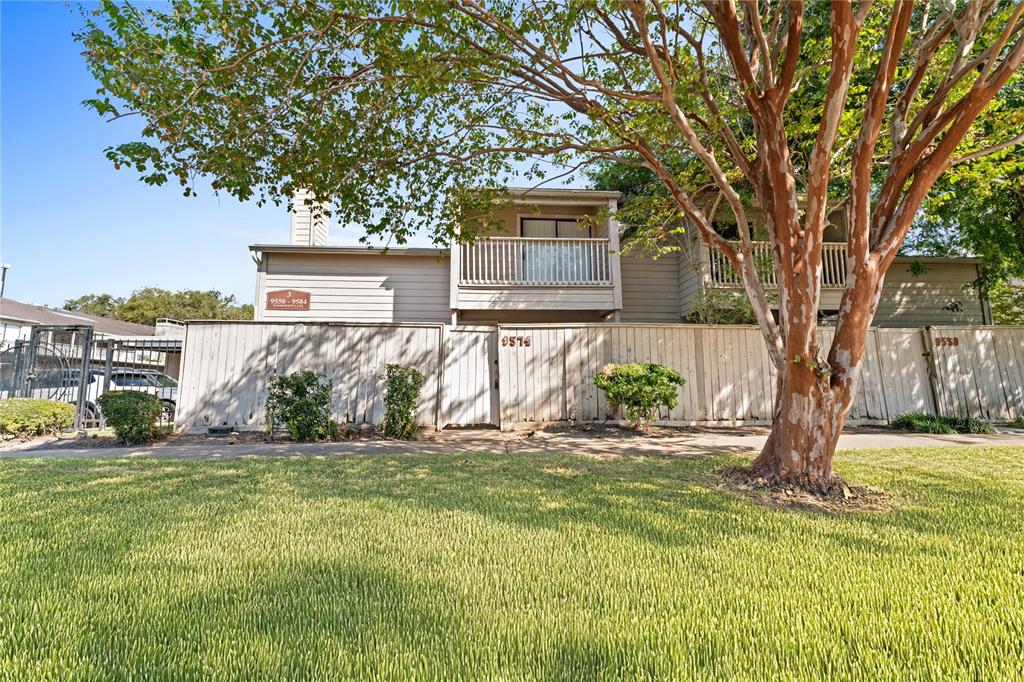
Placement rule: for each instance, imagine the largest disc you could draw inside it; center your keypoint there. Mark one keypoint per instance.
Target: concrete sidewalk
(475, 441)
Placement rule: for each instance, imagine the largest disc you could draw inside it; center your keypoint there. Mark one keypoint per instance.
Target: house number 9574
(513, 341)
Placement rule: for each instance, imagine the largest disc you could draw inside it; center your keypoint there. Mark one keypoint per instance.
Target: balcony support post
(613, 255)
(455, 255)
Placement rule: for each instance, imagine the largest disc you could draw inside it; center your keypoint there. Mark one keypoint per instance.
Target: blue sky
(69, 223)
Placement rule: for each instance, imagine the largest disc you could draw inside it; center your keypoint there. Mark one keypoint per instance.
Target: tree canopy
(410, 116)
(147, 305)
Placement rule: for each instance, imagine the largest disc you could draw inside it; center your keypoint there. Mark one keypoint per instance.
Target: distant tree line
(146, 305)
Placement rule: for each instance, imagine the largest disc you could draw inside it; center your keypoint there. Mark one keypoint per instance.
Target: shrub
(28, 417)
(922, 423)
(133, 415)
(970, 425)
(1018, 422)
(301, 402)
(932, 423)
(641, 388)
(401, 393)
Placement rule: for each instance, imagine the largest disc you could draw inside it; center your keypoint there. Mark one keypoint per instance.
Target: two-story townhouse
(544, 264)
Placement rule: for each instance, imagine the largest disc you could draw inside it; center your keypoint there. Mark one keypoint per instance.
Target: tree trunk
(811, 408)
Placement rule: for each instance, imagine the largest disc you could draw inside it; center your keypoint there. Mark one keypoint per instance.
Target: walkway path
(558, 442)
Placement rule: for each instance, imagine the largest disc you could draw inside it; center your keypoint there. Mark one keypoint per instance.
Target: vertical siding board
(250, 384)
(243, 393)
(751, 392)
(676, 340)
(988, 374)
(574, 375)
(185, 414)
(767, 381)
(723, 388)
(1012, 379)
(1011, 360)
(701, 374)
(693, 360)
(203, 340)
(603, 355)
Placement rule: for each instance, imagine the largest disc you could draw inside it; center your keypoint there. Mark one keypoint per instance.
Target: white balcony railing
(515, 261)
(833, 266)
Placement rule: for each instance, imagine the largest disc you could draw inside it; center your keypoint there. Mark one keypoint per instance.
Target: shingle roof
(35, 314)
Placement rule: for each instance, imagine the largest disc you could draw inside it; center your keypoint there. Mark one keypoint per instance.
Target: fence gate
(67, 364)
(470, 376)
(51, 365)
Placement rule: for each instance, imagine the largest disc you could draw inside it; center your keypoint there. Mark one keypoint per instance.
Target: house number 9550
(513, 341)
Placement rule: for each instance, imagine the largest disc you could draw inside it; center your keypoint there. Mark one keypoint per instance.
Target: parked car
(63, 385)
(146, 381)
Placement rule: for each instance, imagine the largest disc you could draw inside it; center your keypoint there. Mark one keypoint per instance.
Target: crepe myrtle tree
(410, 116)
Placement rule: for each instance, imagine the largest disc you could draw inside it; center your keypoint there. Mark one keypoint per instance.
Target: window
(549, 261)
(130, 380)
(553, 228)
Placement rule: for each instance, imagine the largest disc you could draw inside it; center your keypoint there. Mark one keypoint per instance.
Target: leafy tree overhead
(147, 305)
(390, 109)
(977, 209)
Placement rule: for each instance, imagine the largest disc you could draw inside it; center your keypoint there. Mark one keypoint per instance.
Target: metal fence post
(83, 378)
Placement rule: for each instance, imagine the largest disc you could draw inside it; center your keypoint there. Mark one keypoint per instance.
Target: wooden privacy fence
(512, 376)
(227, 365)
(547, 372)
(979, 371)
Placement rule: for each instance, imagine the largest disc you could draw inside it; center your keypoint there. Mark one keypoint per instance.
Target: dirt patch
(838, 497)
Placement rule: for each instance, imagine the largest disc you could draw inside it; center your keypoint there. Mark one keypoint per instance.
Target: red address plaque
(288, 299)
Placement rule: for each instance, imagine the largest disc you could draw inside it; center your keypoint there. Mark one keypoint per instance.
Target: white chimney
(307, 229)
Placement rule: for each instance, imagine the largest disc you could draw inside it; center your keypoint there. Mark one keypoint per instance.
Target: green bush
(970, 425)
(133, 415)
(932, 423)
(641, 388)
(28, 418)
(301, 403)
(1018, 422)
(401, 393)
(922, 423)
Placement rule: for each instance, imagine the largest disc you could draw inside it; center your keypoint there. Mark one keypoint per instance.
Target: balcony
(518, 261)
(522, 273)
(833, 266)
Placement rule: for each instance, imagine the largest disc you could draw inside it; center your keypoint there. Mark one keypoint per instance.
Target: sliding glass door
(551, 261)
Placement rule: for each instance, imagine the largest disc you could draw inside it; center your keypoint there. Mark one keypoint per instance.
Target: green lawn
(521, 567)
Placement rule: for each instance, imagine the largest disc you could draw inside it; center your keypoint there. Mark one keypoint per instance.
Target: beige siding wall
(536, 298)
(509, 217)
(530, 316)
(650, 288)
(359, 288)
(909, 301)
(689, 280)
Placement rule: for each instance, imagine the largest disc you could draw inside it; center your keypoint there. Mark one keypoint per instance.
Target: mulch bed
(839, 497)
